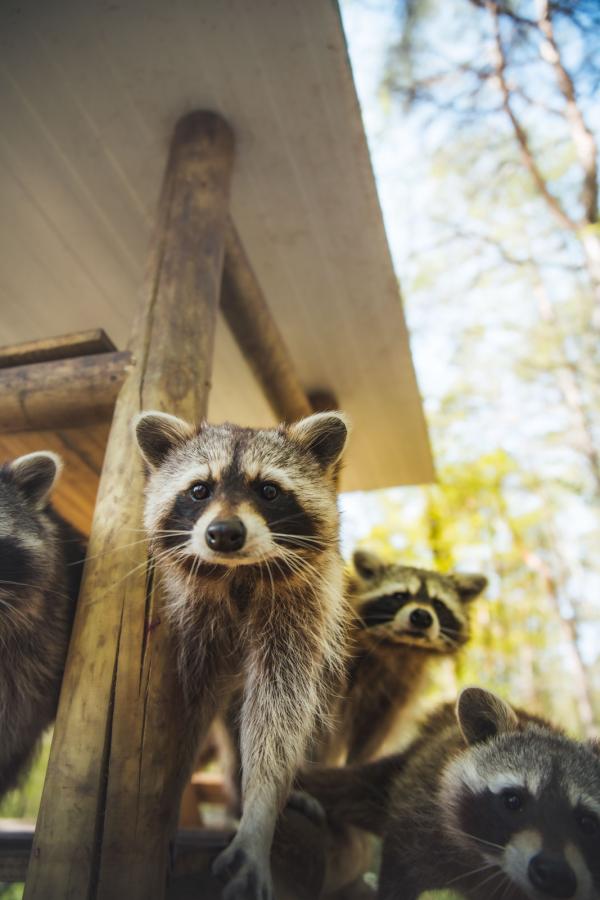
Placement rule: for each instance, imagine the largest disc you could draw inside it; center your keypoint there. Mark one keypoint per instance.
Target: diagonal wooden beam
(111, 791)
(257, 335)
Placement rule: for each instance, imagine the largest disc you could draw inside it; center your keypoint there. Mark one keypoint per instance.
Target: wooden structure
(305, 213)
(80, 172)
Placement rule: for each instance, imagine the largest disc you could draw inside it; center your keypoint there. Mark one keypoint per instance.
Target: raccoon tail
(354, 795)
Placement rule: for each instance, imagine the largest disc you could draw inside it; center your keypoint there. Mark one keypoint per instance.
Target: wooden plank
(61, 394)
(111, 792)
(65, 346)
(258, 337)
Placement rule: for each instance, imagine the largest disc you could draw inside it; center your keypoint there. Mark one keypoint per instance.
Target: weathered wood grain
(63, 393)
(65, 346)
(248, 316)
(109, 797)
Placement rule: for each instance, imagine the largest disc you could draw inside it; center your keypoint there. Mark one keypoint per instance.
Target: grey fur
(268, 619)
(437, 803)
(38, 590)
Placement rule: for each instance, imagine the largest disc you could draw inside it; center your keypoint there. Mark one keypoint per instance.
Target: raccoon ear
(367, 564)
(482, 715)
(468, 585)
(324, 434)
(35, 474)
(157, 433)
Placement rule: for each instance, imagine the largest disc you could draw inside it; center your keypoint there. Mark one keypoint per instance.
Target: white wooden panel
(89, 93)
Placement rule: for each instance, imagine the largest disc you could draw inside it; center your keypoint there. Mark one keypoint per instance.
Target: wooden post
(109, 795)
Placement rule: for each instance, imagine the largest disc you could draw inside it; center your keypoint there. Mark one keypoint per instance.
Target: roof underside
(89, 94)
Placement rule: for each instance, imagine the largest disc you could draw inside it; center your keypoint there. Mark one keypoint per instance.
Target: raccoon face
(225, 496)
(527, 800)
(406, 605)
(25, 485)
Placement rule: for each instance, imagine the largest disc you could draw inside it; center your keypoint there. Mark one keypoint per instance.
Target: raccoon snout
(421, 619)
(226, 535)
(552, 875)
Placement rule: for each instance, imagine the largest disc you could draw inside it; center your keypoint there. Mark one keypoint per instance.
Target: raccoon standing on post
(406, 618)
(39, 583)
(486, 800)
(244, 527)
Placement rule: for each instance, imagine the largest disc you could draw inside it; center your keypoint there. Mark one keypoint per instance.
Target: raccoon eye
(438, 606)
(200, 491)
(587, 822)
(512, 800)
(269, 491)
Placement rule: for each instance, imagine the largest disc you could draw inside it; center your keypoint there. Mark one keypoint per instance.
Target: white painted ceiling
(89, 93)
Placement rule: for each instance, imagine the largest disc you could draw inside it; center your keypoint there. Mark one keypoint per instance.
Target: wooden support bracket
(112, 787)
(257, 335)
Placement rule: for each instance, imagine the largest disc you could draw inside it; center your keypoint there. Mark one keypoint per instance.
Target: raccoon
(405, 618)
(243, 525)
(486, 800)
(39, 583)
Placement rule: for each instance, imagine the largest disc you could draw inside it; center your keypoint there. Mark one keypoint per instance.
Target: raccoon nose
(421, 619)
(226, 535)
(552, 875)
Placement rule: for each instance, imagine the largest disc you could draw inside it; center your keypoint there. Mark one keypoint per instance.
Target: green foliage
(11, 891)
(24, 801)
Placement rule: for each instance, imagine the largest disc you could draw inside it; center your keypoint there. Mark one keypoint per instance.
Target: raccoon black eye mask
(402, 626)
(243, 524)
(486, 798)
(39, 582)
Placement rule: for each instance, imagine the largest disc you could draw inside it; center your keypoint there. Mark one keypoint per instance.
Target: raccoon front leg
(395, 884)
(280, 702)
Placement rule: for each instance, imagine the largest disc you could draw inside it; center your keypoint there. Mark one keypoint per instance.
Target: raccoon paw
(247, 878)
(309, 806)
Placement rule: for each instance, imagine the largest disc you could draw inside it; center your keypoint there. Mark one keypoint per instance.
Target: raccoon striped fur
(486, 800)
(406, 618)
(243, 525)
(39, 583)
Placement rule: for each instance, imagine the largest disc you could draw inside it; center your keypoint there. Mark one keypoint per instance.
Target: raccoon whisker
(18, 613)
(304, 537)
(108, 552)
(507, 887)
(302, 540)
(460, 833)
(287, 518)
(497, 874)
(483, 868)
(31, 585)
(299, 565)
(505, 880)
(125, 546)
(270, 574)
(158, 557)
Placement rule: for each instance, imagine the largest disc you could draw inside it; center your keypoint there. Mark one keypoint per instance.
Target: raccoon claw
(309, 806)
(246, 878)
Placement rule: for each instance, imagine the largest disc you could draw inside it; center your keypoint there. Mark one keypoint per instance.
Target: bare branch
(583, 139)
(520, 133)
